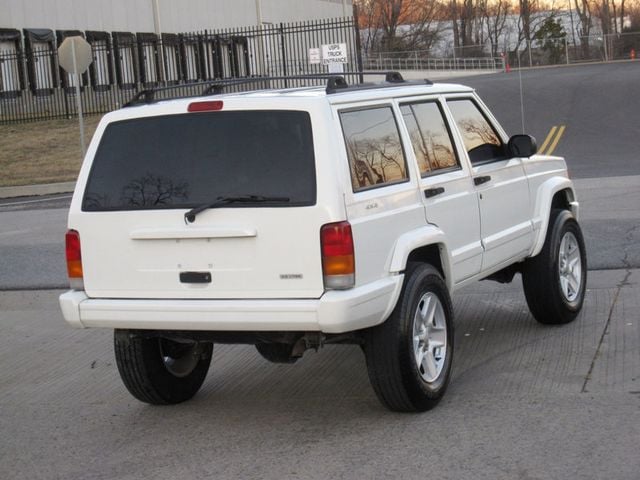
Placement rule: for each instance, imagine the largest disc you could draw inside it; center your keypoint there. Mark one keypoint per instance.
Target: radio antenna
(521, 93)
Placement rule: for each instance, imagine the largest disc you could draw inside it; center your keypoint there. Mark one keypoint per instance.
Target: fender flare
(542, 210)
(422, 237)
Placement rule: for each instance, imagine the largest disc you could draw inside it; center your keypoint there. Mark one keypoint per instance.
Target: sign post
(74, 56)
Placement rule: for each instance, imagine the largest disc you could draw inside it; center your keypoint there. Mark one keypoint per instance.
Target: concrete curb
(36, 190)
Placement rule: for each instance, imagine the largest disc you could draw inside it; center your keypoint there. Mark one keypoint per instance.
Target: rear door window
(376, 157)
(182, 161)
(430, 137)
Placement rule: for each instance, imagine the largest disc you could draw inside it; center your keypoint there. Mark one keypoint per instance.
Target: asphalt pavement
(527, 401)
(597, 104)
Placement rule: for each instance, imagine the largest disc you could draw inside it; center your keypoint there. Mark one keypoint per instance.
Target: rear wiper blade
(190, 216)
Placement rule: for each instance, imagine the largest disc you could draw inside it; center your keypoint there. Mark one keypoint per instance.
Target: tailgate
(247, 252)
(147, 172)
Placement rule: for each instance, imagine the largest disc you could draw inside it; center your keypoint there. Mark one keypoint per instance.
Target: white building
(175, 16)
(141, 43)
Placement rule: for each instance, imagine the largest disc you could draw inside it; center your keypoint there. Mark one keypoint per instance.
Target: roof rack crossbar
(335, 82)
(147, 95)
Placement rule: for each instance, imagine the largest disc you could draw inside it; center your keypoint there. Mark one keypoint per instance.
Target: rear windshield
(182, 161)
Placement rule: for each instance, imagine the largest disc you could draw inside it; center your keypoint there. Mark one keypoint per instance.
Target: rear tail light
(338, 260)
(74, 259)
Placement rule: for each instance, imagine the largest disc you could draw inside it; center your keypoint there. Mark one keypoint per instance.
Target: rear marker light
(338, 260)
(211, 106)
(74, 259)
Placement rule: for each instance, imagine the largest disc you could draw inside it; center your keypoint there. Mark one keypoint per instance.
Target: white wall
(175, 15)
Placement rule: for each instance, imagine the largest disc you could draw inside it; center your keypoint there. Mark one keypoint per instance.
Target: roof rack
(336, 83)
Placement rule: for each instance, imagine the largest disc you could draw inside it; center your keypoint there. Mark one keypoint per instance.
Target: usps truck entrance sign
(334, 56)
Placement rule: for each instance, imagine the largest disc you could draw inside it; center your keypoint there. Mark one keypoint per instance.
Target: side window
(480, 138)
(430, 137)
(374, 149)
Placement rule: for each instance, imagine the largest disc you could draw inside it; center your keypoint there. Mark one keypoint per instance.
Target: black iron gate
(126, 62)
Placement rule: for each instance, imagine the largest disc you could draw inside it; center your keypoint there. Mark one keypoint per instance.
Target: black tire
(276, 352)
(159, 371)
(398, 380)
(544, 277)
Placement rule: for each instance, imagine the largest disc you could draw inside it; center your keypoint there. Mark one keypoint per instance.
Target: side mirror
(522, 146)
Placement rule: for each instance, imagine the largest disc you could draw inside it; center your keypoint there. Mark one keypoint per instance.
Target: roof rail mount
(394, 77)
(335, 83)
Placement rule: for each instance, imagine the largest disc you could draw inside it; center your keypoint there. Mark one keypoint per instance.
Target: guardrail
(419, 63)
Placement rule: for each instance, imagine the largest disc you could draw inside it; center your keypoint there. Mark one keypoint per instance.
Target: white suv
(294, 218)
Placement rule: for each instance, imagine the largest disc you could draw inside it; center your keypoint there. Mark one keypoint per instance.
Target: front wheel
(160, 371)
(555, 280)
(409, 356)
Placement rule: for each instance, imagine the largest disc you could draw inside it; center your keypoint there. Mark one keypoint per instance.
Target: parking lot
(527, 401)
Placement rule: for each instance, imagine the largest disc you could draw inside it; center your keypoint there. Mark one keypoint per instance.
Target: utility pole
(158, 29)
(258, 12)
(261, 47)
(573, 29)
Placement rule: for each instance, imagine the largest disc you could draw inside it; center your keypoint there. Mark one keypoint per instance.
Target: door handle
(482, 179)
(432, 192)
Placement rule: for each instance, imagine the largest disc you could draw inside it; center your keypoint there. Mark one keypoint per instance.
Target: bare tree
(583, 8)
(464, 18)
(495, 14)
(602, 11)
(532, 16)
(397, 25)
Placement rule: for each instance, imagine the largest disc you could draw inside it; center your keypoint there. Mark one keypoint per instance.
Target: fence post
(283, 52)
(566, 49)
(358, 43)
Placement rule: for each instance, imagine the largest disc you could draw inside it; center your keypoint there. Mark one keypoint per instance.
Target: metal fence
(569, 50)
(33, 87)
(551, 51)
(416, 60)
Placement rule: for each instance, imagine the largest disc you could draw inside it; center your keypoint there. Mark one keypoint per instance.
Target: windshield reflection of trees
(434, 149)
(376, 160)
(478, 133)
(151, 191)
(148, 190)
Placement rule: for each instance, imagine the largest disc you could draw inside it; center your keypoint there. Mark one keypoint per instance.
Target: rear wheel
(555, 280)
(409, 356)
(161, 371)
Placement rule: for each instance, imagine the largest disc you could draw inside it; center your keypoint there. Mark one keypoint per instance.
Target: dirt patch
(42, 152)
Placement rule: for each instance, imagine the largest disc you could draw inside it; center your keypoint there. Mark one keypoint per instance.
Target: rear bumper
(334, 312)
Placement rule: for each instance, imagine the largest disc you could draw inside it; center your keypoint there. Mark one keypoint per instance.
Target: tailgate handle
(195, 277)
(432, 192)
